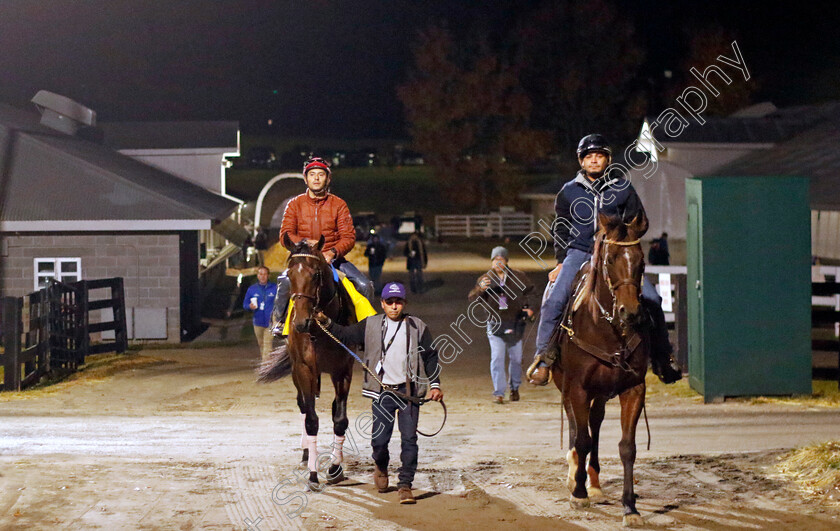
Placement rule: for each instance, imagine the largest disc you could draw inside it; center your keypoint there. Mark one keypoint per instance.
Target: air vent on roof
(63, 114)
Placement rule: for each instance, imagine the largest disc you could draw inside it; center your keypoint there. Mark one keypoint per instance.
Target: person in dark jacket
(659, 253)
(261, 245)
(594, 189)
(416, 260)
(398, 348)
(509, 291)
(376, 252)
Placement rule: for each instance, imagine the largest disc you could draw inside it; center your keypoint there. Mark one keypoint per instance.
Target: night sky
(329, 67)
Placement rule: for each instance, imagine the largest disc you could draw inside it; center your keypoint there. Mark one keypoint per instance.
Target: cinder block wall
(149, 263)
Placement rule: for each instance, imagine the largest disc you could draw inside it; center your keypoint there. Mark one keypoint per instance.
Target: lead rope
(644, 410)
(418, 401)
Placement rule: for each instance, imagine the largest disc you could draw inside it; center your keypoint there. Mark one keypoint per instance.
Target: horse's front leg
(579, 403)
(632, 402)
(307, 381)
(304, 439)
(341, 382)
(596, 417)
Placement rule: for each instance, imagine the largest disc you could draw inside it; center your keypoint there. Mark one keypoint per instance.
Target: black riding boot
(281, 305)
(661, 361)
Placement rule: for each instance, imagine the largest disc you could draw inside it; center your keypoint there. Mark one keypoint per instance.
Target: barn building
(758, 140)
(73, 208)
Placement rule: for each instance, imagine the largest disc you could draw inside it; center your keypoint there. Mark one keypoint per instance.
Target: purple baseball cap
(393, 290)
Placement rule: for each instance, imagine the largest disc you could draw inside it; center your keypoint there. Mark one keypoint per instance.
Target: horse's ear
(639, 226)
(320, 244)
(607, 222)
(287, 242)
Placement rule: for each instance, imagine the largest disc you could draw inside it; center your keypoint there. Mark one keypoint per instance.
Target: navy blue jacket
(575, 206)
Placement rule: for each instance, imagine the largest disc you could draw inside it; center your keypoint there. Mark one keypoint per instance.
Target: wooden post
(681, 320)
(12, 307)
(121, 331)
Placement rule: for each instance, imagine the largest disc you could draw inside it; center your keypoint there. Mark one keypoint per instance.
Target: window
(62, 269)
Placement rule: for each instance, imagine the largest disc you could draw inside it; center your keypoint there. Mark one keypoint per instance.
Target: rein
(613, 359)
(412, 399)
(316, 276)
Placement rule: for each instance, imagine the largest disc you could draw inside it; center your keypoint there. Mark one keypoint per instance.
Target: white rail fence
(486, 226)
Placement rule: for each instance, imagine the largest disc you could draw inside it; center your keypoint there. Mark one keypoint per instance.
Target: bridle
(316, 279)
(610, 316)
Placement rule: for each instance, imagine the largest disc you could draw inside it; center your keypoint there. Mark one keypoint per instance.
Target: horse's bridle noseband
(316, 277)
(610, 316)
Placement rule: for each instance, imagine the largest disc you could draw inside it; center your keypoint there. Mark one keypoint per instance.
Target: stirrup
(529, 373)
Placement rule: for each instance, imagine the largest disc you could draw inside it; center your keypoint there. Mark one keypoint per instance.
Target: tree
(580, 63)
(705, 45)
(469, 117)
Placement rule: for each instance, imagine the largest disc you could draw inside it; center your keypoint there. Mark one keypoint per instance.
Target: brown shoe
(406, 497)
(514, 395)
(380, 479)
(498, 400)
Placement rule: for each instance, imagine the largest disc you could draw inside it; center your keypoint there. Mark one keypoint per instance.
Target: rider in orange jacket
(317, 213)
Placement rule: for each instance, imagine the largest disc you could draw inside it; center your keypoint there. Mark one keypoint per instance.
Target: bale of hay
(816, 469)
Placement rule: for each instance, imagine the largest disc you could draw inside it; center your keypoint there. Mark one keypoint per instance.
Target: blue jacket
(576, 204)
(265, 302)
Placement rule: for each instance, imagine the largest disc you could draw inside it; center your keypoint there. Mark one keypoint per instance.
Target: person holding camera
(507, 291)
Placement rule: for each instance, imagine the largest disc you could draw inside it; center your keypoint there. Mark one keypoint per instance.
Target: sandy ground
(186, 440)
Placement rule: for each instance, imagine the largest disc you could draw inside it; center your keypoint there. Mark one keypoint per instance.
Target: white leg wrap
(338, 450)
(304, 442)
(313, 453)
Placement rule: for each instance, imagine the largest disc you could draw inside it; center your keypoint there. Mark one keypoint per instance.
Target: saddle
(361, 305)
(565, 326)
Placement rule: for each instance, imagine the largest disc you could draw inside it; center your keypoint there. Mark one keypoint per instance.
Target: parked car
(406, 224)
(365, 224)
(261, 157)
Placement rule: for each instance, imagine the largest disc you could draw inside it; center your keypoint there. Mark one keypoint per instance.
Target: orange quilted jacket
(307, 218)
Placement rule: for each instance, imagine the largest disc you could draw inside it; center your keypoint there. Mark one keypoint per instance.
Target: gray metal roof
(171, 135)
(49, 176)
(814, 153)
(775, 127)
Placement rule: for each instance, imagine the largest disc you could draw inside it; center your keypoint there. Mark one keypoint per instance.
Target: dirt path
(187, 441)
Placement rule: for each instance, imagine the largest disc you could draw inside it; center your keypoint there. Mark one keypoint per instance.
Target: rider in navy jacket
(594, 189)
(576, 202)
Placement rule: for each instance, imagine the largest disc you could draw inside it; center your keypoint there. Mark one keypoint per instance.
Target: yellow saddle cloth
(361, 305)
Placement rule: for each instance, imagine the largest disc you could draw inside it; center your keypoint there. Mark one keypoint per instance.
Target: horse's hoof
(314, 486)
(578, 503)
(596, 495)
(335, 474)
(632, 520)
(304, 461)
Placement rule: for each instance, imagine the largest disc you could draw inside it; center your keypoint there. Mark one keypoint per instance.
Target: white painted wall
(204, 169)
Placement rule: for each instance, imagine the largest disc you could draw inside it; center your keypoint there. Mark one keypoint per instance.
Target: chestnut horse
(604, 353)
(309, 352)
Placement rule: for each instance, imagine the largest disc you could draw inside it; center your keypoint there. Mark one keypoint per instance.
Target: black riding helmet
(594, 142)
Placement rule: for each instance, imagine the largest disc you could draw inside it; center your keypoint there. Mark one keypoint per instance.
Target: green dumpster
(748, 245)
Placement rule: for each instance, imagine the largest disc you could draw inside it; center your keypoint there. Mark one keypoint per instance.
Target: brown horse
(605, 353)
(311, 352)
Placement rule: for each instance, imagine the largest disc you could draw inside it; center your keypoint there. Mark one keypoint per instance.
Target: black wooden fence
(56, 335)
(825, 318)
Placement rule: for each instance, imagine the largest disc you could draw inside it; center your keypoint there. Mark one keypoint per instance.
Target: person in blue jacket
(260, 299)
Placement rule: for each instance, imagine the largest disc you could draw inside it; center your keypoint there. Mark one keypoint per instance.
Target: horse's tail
(277, 365)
